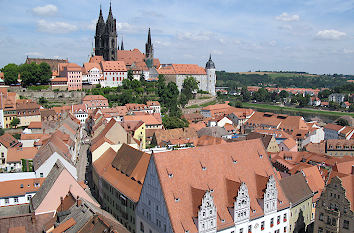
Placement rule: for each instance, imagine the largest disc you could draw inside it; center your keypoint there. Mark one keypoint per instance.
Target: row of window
(346, 147)
(332, 221)
(15, 199)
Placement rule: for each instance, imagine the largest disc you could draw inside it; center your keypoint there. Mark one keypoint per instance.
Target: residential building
(336, 97)
(169, 137)
(27, 111)
(20, 159)
(58, 183)
(137, 130)
(339, 147)
(95, 101)
(114, 72)
(59, 83)
(73, 73)
(117, 113)
(48, 115)
(193, 117)
(288, 144)
(35, 127)
(152, 121)
(179, 72)
(220, 188)
(118, 178)
(9, 108)
(154, 105)
(335, 209)
(300, 196)
(215, 131)
(93, 73)
(80, 111)
(269, 142)
(18, 192)
(6, 142)
(346, 133)
(332, 131)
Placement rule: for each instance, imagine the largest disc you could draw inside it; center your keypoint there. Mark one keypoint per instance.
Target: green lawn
(300, 110)
(203, 105)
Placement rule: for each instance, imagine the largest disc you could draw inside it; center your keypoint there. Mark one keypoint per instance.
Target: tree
(246, 95)
(15, 122)
(44, 73)
(10, 74)
(42, 100)
(351, 108)
(183, 100)
(324, 94)
(189, 86)
(262, 95)
(130, 75)
(174, 122)
(2, 131)
(283, 94)
(142, 77)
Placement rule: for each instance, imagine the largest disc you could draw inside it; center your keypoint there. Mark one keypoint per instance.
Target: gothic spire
(122, 45)
(110, 9)
(149, 38)
(210, 64)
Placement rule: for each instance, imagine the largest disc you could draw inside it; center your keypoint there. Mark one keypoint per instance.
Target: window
(7, 201)
(278, 220)
(284, 229)
(262, 225)
(249, 228)
(141, 227)
(321, 217)
(41, 174)
(29, 197)
(346, 224)
(284, 219)
(271, 222)
(241, 230)
(16, 199)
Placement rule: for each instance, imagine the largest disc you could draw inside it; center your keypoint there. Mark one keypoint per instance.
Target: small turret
(210, 64)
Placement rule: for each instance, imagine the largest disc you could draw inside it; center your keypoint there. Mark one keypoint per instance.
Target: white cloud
(34, 54)
(348, 51)
(330, 34)
(92, 26)
(55, 27)
(161, 43)
(47, 10)
(217, 52)
(287, 18)
(198, 36)
(127, 27)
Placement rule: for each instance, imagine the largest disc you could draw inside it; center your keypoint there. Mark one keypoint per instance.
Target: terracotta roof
(35, 125)
(114, 66)
(27, 105)
(333, 127)
(79, 108)
(296, 189)
(139, 66)
(152, 103)
(348, 185)
(278, 133)
(314, 180)
(94, 97)
(21, 229)
(131, 126)
(90, 65)
(130, 56)
(33, 136)
(64, 226)
(197, 126)
(18, 153)
(20, 187)
(182, 69)
(206, 140)
(8, 141)
(319, 148)
(345, 167)
(339, 142)
(125, 170)
(148, 119)
(290, 143)
(221, 174)
(59, 79)
(47, 112)
(264, 137)
(164, 136)
(96, 59)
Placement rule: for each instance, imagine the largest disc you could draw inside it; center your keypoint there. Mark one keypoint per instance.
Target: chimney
(33, 218)
(78, 201)
(61, 204)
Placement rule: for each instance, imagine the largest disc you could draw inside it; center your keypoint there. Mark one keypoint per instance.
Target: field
(274, 74)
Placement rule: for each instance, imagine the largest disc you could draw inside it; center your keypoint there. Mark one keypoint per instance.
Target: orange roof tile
(59, 79)
(148, 119)
(8, 141)
(35, 125)
(90, 65)
(33, 136)
(96, 59)
(314, 180)
(18, 153)
(21, 229)
(182, 69)
(20, 187)
(64, 226)
(108, 66)
(130, 56)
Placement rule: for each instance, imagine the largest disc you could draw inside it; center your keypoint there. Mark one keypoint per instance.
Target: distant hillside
(280, 79)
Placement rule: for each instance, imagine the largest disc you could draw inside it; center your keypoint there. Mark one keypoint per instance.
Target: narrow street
(82, 159)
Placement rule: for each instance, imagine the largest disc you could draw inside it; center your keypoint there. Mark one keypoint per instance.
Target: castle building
(106, 43)
(179, 72)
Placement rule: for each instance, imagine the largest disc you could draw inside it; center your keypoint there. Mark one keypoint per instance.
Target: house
(114, 72)
(193, 117)
(54, 149)
(29, 140)
(332, 131)
(57, 184)
(48, 115)
(20, 159)
(27, 111)
(137, 130)
(215, 131)
(288, 144)
(80, 111)
(346, 133)
(35, 127)
(206, 140)
(93, 73)
(112, 136)
(269, 142)
(19, 192)
(118, 177)
(117, 113)
(315, 101)
(152, 121)
(168, 137)
(336, 97)
(59, 83)
(6, 142)
(218, 188)
(73, 73)
(337, 147)
(216, 110)
(299, 194)
(335, 209)
(95, 101)
(155, 105)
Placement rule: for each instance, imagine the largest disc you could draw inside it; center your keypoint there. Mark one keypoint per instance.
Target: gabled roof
(264, 137)
(130, 56)
(90, 65)
(35, 125)
(125, 170)
(333, 127)
(220, 173)
(314, 180)
(8, 141)
(13, 188)
(214, 131)
(94, 97)
(109, 66)
(178, 133)
(182, 69)
(295, 188)
(15, 154)
(148, 119)
(96, 59)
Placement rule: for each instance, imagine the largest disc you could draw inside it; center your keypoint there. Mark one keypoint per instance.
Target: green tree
(44, 73)
(15, 122)
(10, 74)
(246, 95)
(283, 94)
(130, 75)
(170, 122)
(351, 108)
(42, 100)
(189, 87)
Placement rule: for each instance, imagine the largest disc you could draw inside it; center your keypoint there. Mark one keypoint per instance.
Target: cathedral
(106, 44)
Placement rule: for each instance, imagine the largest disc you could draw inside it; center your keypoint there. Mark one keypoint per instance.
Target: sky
(315, 36)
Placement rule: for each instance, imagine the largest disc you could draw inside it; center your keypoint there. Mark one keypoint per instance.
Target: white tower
(207, 215)
(271, 197)
(242, 205)
(211, 76)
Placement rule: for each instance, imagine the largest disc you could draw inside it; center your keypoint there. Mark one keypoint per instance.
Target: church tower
(149, 52)
(106, 43)
(98, 36)
(211, 76)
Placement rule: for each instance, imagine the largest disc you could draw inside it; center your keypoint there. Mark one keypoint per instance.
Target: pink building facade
(73, 72)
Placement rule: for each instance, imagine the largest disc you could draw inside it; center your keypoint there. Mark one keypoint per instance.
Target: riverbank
(298, 110)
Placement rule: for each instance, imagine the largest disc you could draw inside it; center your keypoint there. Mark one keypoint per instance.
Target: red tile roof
(182, 69)
(20, 187)
(17, 153)
(90, 65)
(59, 79)
(35, 125)
(96, 59)
(314, 180)
(130, 56)
(115, 66)
(8, 141)
(64, 226)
